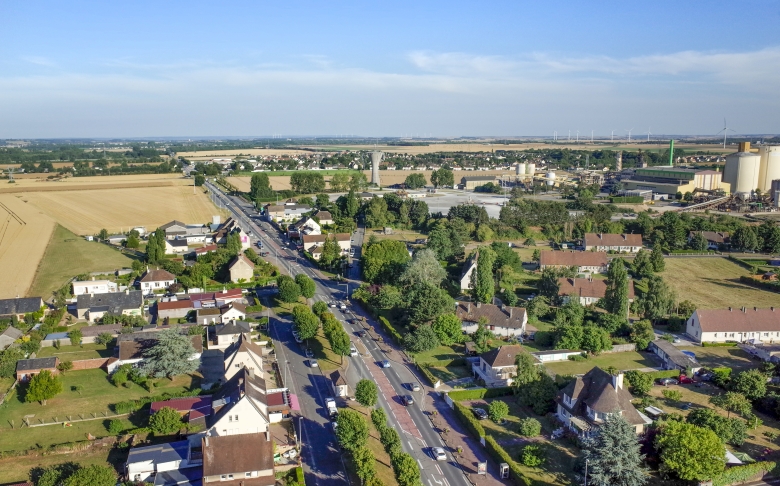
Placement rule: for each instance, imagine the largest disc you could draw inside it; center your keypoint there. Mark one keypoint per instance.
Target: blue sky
(138, 69)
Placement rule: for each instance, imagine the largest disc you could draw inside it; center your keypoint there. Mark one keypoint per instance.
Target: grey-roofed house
(174, 228)
(27, 368)
(20, 306)
(503, 321)
(176, 246)
(471, 182)
(8, 336)
(497, 367)
(90, 333)
(94, 306)
(587, 400)
(156, 279)
(672, 358)
(227, 334)
(145, 463)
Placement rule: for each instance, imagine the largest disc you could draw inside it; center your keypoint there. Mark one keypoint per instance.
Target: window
(247, 474)
(230, 418)
(716, 334)
(236, 418)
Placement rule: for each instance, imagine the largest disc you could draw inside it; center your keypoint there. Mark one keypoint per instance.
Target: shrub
(532, 456)
(500, 455)
(721, 376)
(379, 418)
(119, 378)
(391, 331)
(672, 395)
(718, 345)
(65, 366)
(115, 427)
(498, 410)
(530, 427)
(744, 473)
(165, 421)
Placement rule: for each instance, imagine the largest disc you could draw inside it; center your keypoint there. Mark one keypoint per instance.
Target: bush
(578, 357)
(115, 427)
(119, 378)
(477, 393)
(379, 418)
(498, 410)
(530, 427)
(672, 395)
(65, 366)
(468, 419)
(391, 331)
(744, 473)
(532, 456)
(500, 455)
(718, 345)
(165, 421)
(721, 376)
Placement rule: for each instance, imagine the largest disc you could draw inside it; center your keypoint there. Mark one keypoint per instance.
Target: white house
(240, 406)
(715, 239)
(242, 353)
(177, 246)
(94, 287)
(624, 243)
(497, 367)
(468, 269)
(503, 321)
(306, 226)
(238, 460)
(144, 463)
(734, 324)
(93, 307)
(156, 280)
(583, 261)
(311, 243)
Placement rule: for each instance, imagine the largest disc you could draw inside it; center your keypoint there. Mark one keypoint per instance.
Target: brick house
(27, 368)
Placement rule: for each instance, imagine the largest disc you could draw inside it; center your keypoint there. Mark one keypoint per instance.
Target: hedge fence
(391, 331)
(743, 473)
(477, 393)
(500, 455)
(774, 287)
(718, 345)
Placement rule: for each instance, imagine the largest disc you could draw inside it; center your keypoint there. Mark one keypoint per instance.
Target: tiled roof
(36, 364)
(176, 243)
(228, 455)
(200, 404)
(12, 333)
(158, 275)
(595, 389)
(321, 238)
(233, 305)
(205, 249)
(713, 236)
(574, 258)
(90, 331)
(502, 356)
(583, 287)
(116, 302)
(324, 216)
(739, 320)
(237, 327)
(174, 304)
(610, 239)
(511, 317)
(241, 258)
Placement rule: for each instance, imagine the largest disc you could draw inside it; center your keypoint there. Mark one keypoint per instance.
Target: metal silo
(770, 166)
(530, 169)
(741, 172)
(376, 158)
(520, 169)
(550, 178)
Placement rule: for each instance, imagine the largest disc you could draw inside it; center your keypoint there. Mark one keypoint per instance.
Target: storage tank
(520, 169)
(550, 178)
(770, 166)
(530, 169)
(741, 172)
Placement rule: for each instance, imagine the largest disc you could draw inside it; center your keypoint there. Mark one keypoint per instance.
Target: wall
(90, 364)
(621, 348)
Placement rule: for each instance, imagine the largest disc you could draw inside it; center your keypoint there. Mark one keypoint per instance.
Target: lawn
(622, 361)
(715, 357)
(68, 255)
(95, 397)
(448, 373)
(73, 353)
(327, 359)
(713, 283)
(384, 471)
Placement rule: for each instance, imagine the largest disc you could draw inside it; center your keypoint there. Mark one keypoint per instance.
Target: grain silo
(520, 170)
(770, 166)
(742, 170)
(530, 169)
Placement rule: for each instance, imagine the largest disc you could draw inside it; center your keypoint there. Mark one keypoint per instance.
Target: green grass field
(73, 353)
(713, 283)
(622, 361)
(384, 471)
(95, 397)
(69, 255)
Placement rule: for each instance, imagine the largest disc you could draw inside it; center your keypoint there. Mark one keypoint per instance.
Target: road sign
(482, 468)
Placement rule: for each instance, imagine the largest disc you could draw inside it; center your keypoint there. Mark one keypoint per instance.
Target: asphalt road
(322, 460)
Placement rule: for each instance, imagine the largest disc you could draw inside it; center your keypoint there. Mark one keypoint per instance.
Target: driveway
(212, 367)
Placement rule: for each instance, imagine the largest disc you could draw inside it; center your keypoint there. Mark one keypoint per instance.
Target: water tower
(376, 158)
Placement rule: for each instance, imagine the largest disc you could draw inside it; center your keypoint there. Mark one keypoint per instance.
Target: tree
(732, 402)
(42, 387)
(115, 427)
(448, 329)
(640, 383)
(133, 242)
(8, 359)
(407, 472)
(54, 475)
(340, 343)
(613, 455)
(530, 427)
(103, 234)
(289, 291)
(331, 253)
(595, 339)
(616, 294)
(481, 336)
(642, 334)
(698, 242)
(745, 239)
(527, 371)
(443, 178)
(423, 268)
(260, 187)
(306, 284)
(750, 383)
(415, 181)
(75, 337)
(199, 180)
(319, 308)
(497, 410)
(658, 301)
(424, 303)
(165, 421)
(532, 456)
(357, 181)
(384, 261)
(540, 394)
(155, 248)
(170, 355)
(538, 307)
(306, 323)
(690, 452)
(686, 308)
(672, 395)
(339, 181)
(731, 430)
(642, 265)
(657, 258)
(351, 430)
(376, 215)
(364, 463)
(366, 393)
(482, 282)
(422, 339)
(94, 475)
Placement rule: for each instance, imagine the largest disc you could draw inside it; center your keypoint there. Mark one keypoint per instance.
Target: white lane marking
(418, 462)
(447, 482)
(438, 469)
(411, 445)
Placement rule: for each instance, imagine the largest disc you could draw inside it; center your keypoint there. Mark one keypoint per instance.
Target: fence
(621, 348)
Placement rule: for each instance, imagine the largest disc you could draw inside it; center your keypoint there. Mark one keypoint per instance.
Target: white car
(342, 306)
(439, 454)
(313, 363)
(353, 351)
(333, 304)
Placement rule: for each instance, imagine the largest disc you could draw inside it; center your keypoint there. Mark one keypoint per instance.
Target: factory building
(671, 180)
(747, 170)
(471, 182)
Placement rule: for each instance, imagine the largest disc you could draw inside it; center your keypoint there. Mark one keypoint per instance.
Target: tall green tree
(423, 339)
(657, 258)
(306, 284)
(482, 282)
(351, 430)
(613, 455)
(407, 472)
(448, 329)
(357, 181)
(170, 355)
(443, 178)
(93, 475)
(424, 303)
(366, 393)
(365, 463)
(415, 181)
(698, 242)
(658, 301)
(423, 268)
(305, 322)
(289, 291)
(8, 359)
(750, 383)
(42, 387)
(376, 214)
(155, 248)
(527, 371)
(642, 334)
(260, 186)
(233, 243)
(616, 294)
(690, 452)
(733, 402)
(165, 421)
(745, 239)
(642, 265)
(340, 343)
(384, 261)
(340, 181)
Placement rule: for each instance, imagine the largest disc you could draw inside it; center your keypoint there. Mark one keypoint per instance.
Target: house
(232, 312)
(146, 463)
(90, 333)
(174, 229)
(240, 406)
(468, 270)
(227, 334)
(226, 460)
(583, 261)
(192, 409)
(176, 246)
(204, 250)
(715, 239)
(94, 287)
(241, 269)
(174, 309)
(9, 335)
(366, 196)
(132, 346)
(208, 316)
(497, 367)
(93, 307)
(587, 400)
(503, 321)
(324, 217)
(312, 241)
(20, 306)
(339, 384)
(306, 226)
(157, 279)
(215, 299)
(672, 358)
(229, 227)
(623, 243)
(27, 368)
(278, 213)
(116, 239)
(732, 324)
(587, 290)
(242, 353)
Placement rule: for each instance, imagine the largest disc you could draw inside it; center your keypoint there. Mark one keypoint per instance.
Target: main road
(323, 462)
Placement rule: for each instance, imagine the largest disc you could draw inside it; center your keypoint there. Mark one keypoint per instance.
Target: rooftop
(574, 258)
(36, 364)
(739, 319)
(21, 305)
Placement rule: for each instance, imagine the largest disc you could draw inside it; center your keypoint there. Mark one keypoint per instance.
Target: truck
(333, 412)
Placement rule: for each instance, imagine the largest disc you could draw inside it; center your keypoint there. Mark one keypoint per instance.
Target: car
(685, 380)
(413, 386)
(333, 305)
(667, 381)
(309, 353)
(353, 351)
(686, 406)
(407, 399)
(313, 363)
(361, 333)
(439, 454)
(298, 339)
(264, 253)
(676, 340)
(385, 363)
(480, 413)
(342, 306)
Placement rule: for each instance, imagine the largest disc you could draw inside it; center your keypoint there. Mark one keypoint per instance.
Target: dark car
(667, 381)
(407, 399)
(686, 406)
(480, 413)
(361, 333)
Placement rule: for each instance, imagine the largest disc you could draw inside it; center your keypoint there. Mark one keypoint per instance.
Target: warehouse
(469, 183)
(671, 180)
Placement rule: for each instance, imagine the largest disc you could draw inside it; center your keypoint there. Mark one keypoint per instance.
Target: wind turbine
(578, 136)
(612, 139)
(629, 134)
(569, 139)
(648, 134)
(591, 136)
(725, 131)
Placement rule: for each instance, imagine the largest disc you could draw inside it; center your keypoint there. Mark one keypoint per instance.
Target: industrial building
(747, 170)
(471, 182)
(671, 180)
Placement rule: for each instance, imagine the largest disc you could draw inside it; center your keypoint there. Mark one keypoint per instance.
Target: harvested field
(68, 255)
(713, 283)
(118, 210)
(24, 234)
(40, 183)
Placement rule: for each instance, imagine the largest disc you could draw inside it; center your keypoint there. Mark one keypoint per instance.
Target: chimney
(755, 309)
(744, 309)
(267, 435)
(510, 312)
(617, 381)
(93, 278)
(772, 309)
(479, 304)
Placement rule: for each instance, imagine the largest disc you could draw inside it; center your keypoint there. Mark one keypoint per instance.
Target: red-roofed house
(629, 243)
(175, 309)
(192, 409)
(734, 324)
